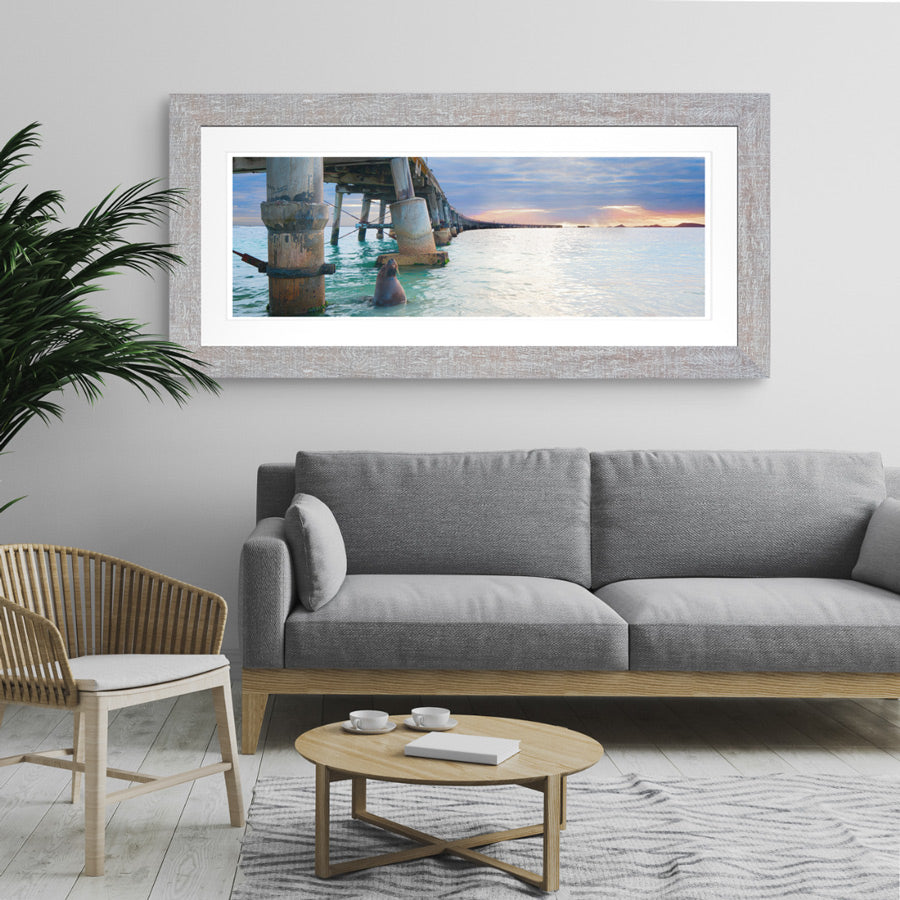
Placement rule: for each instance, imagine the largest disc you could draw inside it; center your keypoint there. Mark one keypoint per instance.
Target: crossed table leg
(553, 787)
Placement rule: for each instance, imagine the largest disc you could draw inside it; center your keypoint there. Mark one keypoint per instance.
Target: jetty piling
(409, 215)
(336, 224)
(295, 216)
(380, 233)
(431, 200)
(402, 177)
(364, 217)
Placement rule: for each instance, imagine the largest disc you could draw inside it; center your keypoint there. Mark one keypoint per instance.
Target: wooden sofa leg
(253, 710)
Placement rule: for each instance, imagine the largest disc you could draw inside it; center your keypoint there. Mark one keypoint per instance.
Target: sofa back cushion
(892, 481)
(730, 514)
(274, 489)
(515, 513)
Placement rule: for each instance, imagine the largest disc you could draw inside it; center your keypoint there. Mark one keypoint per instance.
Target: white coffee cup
(431, 716)
(369, 719)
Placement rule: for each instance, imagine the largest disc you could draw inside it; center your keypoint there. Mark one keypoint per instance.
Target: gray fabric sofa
(569, 572)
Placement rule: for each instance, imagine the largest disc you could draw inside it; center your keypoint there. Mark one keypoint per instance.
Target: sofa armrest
(267, 594)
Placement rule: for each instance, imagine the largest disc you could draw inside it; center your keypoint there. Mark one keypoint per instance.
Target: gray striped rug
(735, 838)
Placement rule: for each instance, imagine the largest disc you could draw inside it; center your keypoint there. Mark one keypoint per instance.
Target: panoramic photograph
(541, 236)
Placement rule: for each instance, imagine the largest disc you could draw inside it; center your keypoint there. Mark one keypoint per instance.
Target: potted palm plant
(50, 338)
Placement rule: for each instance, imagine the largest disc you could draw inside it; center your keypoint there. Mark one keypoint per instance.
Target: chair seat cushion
(457, 622)
(758, 624)
(122, 671)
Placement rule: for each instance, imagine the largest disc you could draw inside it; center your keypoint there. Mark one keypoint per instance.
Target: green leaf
(9, 503)
(50, 339)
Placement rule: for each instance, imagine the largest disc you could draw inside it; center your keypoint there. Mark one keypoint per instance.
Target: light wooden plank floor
(178, 844)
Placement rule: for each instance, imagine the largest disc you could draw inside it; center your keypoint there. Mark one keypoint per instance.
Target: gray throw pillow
(317, 550)
(879, 556)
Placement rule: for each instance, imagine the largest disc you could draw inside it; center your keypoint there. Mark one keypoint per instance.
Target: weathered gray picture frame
(747, 113)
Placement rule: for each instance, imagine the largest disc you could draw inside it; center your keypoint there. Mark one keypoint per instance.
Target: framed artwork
(473, 235)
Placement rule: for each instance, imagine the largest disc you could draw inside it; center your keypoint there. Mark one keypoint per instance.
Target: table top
(544, 750)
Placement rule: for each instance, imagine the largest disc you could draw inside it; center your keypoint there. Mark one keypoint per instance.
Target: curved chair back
(101, 604)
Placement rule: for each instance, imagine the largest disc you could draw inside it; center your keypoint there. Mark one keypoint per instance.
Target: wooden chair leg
(253, 710)
(228, 745)
(96, 720)
(78, 755)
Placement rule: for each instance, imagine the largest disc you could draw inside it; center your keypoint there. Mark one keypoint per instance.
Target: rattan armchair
(89, 632)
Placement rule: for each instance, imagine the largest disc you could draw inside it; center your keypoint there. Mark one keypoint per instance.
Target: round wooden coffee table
(547, 755)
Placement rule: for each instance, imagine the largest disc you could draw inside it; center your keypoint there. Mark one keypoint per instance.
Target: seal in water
(388, 290)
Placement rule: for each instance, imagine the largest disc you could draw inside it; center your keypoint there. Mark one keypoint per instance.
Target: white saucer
(411, 723)
(349, 726)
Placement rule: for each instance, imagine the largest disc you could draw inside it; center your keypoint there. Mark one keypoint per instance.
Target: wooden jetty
(295, 214)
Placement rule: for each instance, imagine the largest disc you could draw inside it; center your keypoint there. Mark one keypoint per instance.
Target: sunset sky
(544, 190)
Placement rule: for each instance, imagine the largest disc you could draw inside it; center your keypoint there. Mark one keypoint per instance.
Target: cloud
(525, 209)
(572, 186)
(587, 190)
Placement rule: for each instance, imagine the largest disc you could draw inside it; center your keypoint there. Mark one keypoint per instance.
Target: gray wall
(173, 489)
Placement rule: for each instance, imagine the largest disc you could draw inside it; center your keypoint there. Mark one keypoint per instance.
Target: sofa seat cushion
(457, 622)
(758, 624)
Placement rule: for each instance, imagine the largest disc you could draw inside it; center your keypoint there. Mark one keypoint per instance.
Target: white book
(462, 747)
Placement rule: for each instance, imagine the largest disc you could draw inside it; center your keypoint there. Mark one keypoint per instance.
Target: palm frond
(14, 152)
(50, 339)
(9, 503)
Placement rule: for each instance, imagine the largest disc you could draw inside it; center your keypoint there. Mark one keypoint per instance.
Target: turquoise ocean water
(509, 272)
